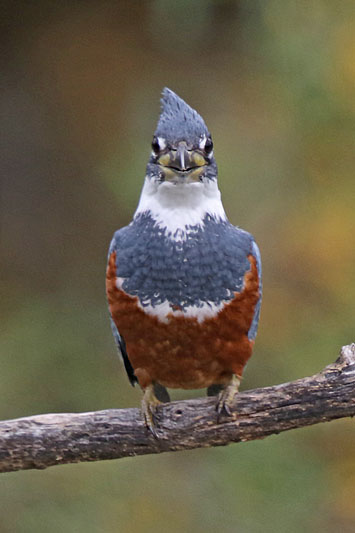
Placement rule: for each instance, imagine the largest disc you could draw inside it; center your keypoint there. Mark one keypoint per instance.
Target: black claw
(149, 406)
(151, 426)
(153, 431)
(226, 397)
(223, 409)
(227, 409)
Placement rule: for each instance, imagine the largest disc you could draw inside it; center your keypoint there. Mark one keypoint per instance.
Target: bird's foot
(149, 404)
(226, 397)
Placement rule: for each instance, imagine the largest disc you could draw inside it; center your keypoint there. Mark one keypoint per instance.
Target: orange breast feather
(182, 352)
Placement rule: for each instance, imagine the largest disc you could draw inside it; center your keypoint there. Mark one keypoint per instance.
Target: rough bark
(52, 439)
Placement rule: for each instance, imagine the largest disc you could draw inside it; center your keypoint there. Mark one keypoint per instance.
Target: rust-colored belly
(184, 353)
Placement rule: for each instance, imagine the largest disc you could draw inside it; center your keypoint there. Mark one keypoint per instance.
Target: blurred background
(81, 83)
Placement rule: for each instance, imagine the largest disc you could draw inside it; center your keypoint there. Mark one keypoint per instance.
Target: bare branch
(46, 440)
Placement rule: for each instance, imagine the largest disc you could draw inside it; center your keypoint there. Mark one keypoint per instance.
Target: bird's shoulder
(247, 243)
(118, 239)
(214, 243)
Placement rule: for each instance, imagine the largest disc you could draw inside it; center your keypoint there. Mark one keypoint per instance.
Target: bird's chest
(199, 272)
(181, 351)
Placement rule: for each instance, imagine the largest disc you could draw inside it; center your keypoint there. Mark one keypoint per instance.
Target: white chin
(178, 206)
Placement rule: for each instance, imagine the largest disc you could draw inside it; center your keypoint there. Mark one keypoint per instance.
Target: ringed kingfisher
(183, 284)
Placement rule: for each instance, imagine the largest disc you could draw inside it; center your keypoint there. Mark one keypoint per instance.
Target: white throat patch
(175, 207)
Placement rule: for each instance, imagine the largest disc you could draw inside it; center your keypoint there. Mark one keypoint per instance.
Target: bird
(183, 284)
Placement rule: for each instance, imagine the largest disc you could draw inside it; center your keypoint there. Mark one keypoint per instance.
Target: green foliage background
(275, 81)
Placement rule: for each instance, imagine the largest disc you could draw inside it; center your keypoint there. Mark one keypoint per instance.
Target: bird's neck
(177, 208)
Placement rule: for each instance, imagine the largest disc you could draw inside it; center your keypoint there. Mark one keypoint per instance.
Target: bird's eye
(155, 145)
(208, 146)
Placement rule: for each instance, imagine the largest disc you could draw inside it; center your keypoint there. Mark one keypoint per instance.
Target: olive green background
(275, 82)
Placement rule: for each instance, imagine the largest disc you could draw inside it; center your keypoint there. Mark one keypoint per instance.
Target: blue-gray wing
(119, 340)
(254, 325)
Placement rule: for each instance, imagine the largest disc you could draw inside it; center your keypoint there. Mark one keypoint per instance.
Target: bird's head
(180, 188)
(182, 148)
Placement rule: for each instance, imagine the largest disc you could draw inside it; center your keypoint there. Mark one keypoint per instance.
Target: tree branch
(53, 439)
